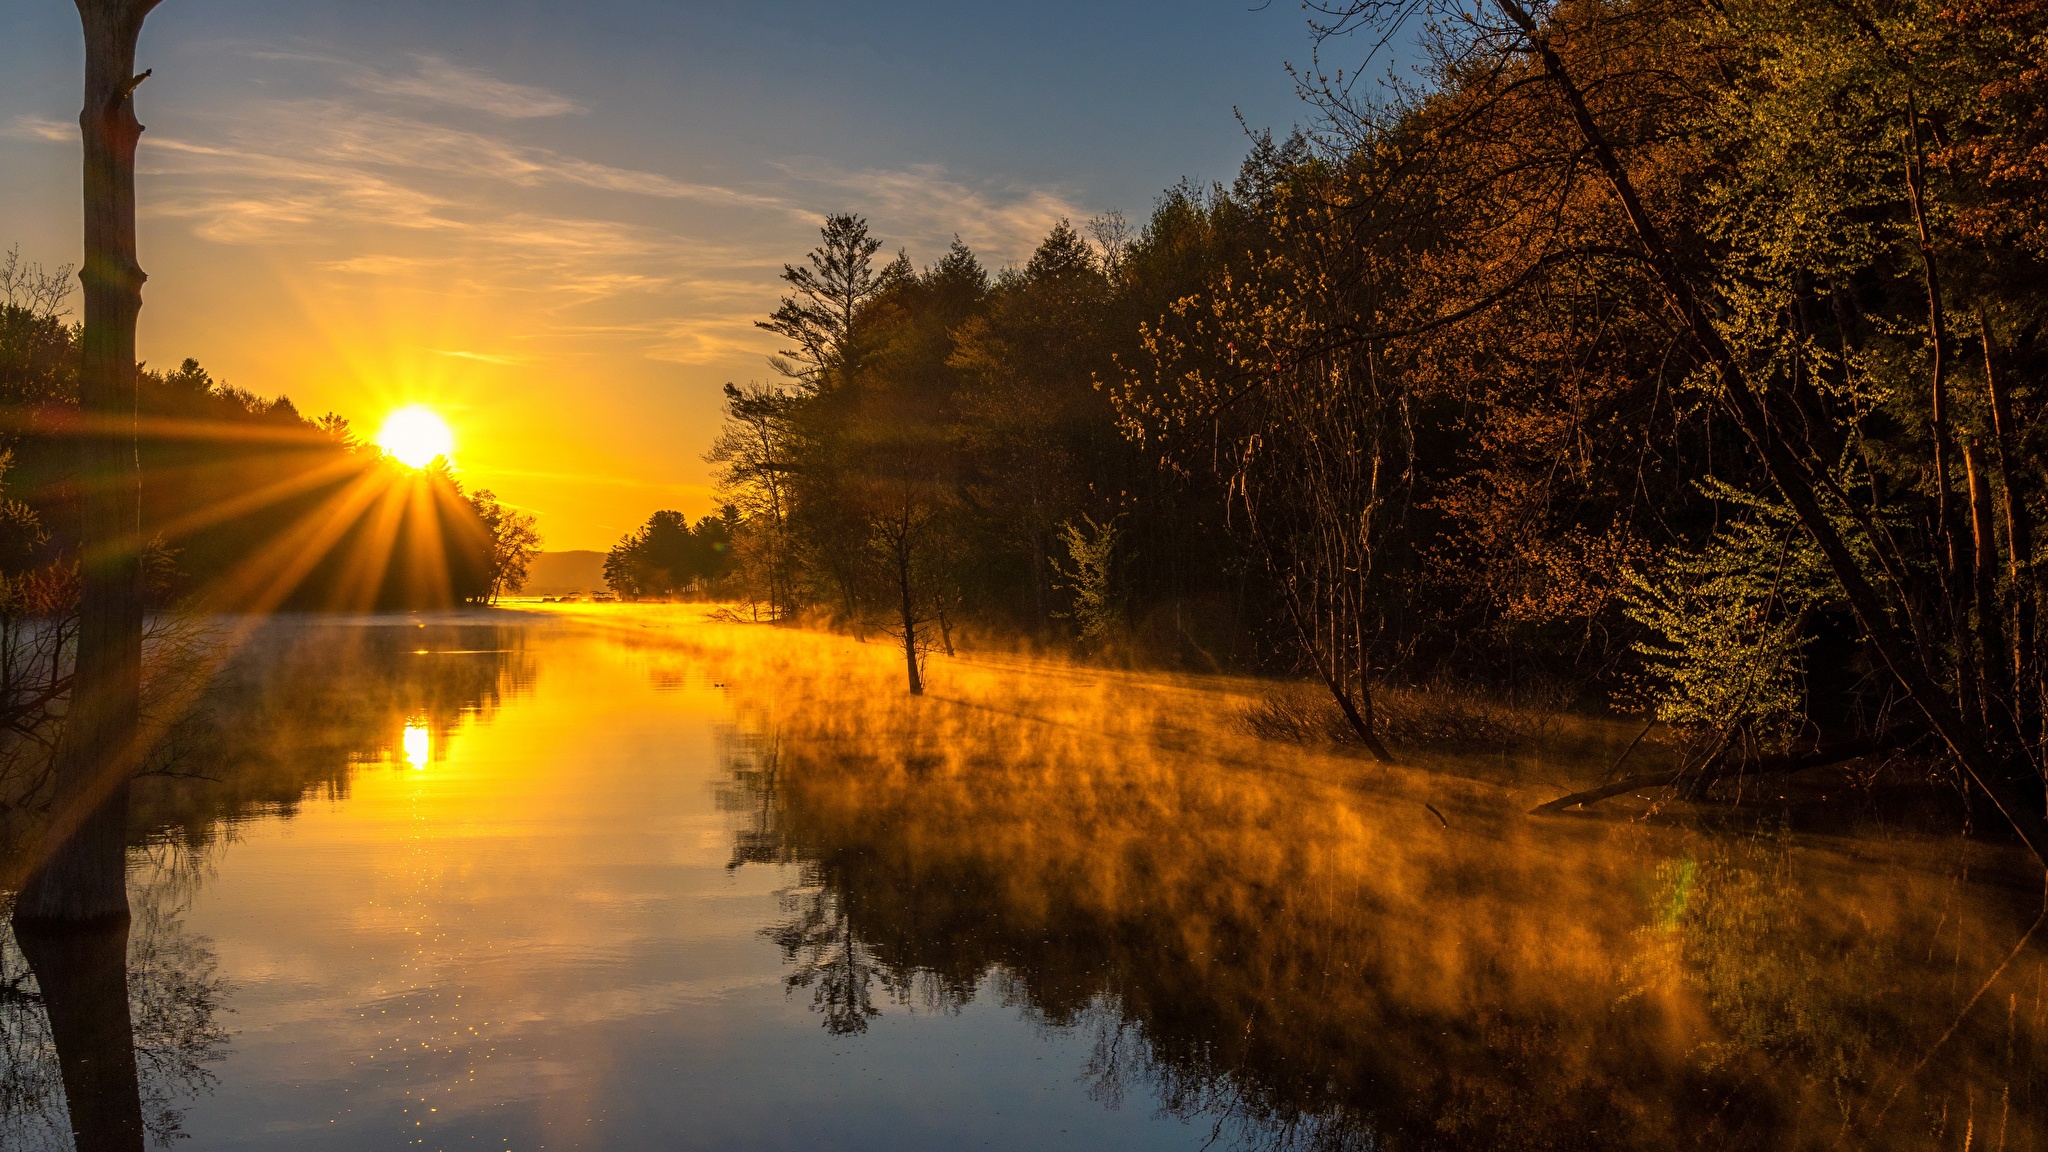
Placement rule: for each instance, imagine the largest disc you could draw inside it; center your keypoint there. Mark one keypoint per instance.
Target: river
(608, 876)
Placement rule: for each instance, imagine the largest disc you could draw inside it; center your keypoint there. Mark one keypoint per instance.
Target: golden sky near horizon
(558, 235)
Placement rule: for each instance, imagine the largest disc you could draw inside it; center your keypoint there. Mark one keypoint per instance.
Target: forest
(1682, 360)
(1149, 666)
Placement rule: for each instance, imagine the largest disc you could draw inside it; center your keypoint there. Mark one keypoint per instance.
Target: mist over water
(617, 877)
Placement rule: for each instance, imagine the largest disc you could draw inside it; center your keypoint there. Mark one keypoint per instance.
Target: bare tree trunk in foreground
(80, 873)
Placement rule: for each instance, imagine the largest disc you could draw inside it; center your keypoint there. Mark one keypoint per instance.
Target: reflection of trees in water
(174, 1002)
(827, 956)
(36, 654)
(296, 707)
(300, 706)
(817, 940)
(857, 923)
(29, 1080)
(307, 700)
(1304, 967)
(1844, 1019)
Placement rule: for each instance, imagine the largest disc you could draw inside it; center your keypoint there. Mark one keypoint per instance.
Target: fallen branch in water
(1779, 765)
(1960, 1016)
(1623, 758)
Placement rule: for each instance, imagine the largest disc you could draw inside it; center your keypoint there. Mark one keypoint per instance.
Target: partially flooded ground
(618, 877)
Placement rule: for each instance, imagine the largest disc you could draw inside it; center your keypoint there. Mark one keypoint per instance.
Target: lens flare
(416, 435)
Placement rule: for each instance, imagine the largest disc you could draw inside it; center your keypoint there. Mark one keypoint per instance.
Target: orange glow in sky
(533, 227)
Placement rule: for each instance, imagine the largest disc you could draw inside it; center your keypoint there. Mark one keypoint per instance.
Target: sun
(415, 435)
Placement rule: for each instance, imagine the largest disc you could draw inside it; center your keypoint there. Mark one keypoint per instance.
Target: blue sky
(557, 221)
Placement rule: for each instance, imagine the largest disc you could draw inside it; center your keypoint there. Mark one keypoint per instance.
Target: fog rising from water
(621, 877)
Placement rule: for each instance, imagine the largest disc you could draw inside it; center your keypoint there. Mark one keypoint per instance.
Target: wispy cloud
(379, 264)
(926, 204)
(369, 183)
(433, 78)
(303, 169)
(483, 357)
(329, 132)
(40, 128)
(708, 339)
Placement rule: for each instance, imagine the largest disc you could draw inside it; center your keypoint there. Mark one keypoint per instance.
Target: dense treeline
(1681, 357)
(246, 503)
(667, 557)
(940, 451)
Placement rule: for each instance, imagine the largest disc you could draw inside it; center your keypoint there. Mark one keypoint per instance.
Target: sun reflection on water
(418, 743)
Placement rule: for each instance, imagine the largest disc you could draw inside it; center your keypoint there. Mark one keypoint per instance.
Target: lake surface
(621, 878)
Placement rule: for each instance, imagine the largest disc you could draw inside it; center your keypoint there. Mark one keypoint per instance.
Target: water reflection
(554, 928)
(419, 743)
(1296, 955)
(109, 1031)
(306, 701)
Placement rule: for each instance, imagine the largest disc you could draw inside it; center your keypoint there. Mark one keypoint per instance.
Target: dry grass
(1441, 718)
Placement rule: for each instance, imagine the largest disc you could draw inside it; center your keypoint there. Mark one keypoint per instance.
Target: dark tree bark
(2019, 540)
(910, 638)
(1958, 579)
(908, 604)
(1997, 660)
(82, 972)
(1364, 724)
(80, 874)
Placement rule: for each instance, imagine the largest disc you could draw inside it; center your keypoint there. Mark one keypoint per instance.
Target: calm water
(625, 879)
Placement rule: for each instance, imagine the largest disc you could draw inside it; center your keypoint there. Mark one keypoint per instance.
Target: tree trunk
(80, 875)
(1361, 725)
(1997, 663)
(1041, 593)
(2019, 542)
(1937, 339)
(1907, 662)
(1958, 579)
(82, 971)
(909, 620)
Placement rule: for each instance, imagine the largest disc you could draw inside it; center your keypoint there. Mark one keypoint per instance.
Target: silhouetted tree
(755, 452)
(513, 542)
(667, 557)
(821, 316)
(81, 876)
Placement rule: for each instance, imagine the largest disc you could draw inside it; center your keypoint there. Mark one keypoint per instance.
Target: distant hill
(560, 573)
